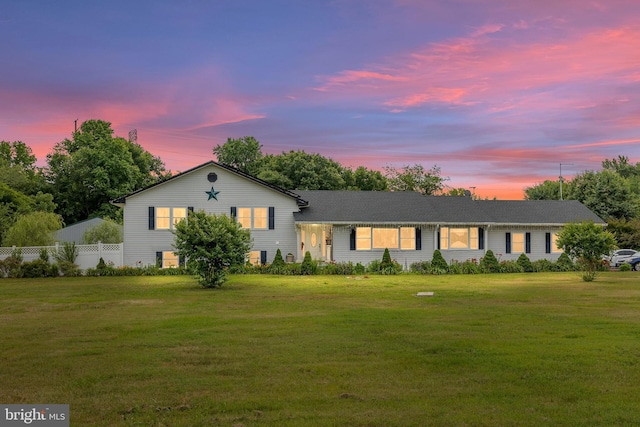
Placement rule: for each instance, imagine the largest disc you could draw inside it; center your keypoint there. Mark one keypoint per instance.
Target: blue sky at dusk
(497, 93)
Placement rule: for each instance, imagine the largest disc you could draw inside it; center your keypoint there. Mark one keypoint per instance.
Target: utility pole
(75, 126)
(561, 178)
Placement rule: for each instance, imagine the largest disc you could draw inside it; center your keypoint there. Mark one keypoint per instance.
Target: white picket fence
(88, 255)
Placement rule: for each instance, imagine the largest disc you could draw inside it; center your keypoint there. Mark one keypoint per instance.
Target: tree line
(612, 193)
(84, 172)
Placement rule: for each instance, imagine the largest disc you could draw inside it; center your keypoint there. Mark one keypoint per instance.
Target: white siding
(497, 243)
(343, 253)
(141, 244)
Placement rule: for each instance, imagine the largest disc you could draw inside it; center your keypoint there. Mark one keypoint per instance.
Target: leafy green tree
(622, 167)
(12, 205)
(606, 193)
(588, 243)
(211, 244)
(107, 231)
(363, 179)
(243, 153)
(18, 168)
(302, 171)
(33, 229)
(415, 178)
(626, 232)
(547, 190)
(94, 167)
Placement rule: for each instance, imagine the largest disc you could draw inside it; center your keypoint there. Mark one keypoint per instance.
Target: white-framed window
(167, 218)
(363, 238)
(244, 217)
(385, 238)
(517, 243)
(177, 215)
(260, 218)
(368, 238)
(459, 238)
(407, 238)
(254, 257)
(170, 260)
(253, 218)
(554, 244)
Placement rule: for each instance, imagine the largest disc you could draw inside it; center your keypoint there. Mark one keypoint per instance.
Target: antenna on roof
(561, 178)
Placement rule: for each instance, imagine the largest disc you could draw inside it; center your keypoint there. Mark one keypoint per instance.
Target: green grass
(485, 350)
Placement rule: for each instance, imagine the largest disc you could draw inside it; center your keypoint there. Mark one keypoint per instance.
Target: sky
(499, 94)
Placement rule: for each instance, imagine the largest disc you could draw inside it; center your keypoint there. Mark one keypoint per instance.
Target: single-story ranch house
(342, 226)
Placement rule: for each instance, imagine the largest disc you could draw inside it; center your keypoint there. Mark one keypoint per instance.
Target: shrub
(422, 267)
(35, 269)
(340, 268)
(10, 267)
(511, 267)
(525, 263)
(438, 263)
(278, 265)
(44, 255)
(386, 260)
(455, 268)
(564, 263)
(625, 267)
(469, 267)
(489, 263)
(67, 252)
(359, 269)
(543, 265)
(308, 266)
(69, 269)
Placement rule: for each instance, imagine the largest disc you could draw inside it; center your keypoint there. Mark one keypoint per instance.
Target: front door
(317, 240)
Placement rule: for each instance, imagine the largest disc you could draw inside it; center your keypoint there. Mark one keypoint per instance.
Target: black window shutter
(272, 218)
(352, 239)
(527, 243)
(159, 259)
(547, 243)
(152, 218)
(233, 212)
(480, 238)
(438, 239)
(507, 243)
(181, 261)
(418, 239)
(263, 257)
(190, 209)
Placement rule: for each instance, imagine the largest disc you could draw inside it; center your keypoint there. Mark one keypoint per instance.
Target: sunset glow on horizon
(496, 93)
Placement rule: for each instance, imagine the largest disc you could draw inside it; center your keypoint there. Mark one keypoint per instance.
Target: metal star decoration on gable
(213, 194)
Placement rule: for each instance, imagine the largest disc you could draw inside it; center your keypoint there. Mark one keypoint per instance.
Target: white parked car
(620, 255)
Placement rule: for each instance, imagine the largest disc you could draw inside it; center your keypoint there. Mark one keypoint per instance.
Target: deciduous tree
(94, 167)
(33, 229)
(243, 153)
(211, 244)
(107, 231)
(587, 243)
(415, 178)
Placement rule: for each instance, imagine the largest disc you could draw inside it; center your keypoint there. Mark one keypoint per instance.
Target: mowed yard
(485, 350)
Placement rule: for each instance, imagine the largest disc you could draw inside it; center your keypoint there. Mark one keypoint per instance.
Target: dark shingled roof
(411, 207)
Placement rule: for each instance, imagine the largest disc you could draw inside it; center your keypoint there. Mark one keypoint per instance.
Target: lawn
(485, 350)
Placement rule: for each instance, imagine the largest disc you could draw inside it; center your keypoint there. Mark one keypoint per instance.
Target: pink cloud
(491, 66)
